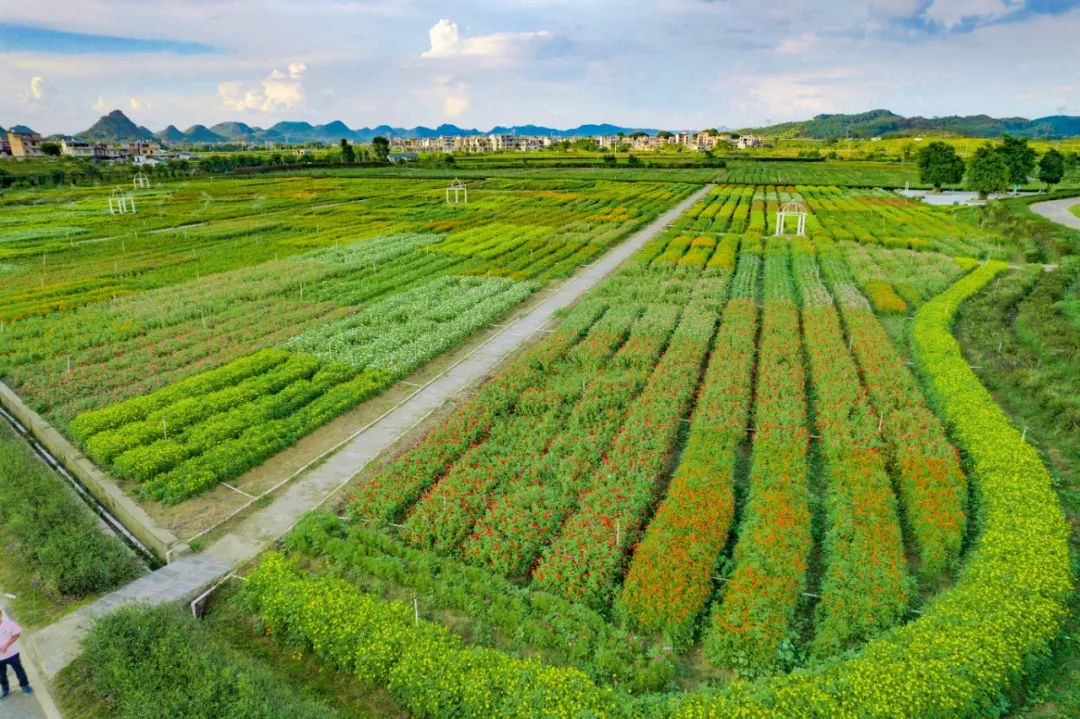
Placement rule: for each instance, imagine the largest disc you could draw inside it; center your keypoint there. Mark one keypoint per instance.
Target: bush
(161, 662)
(53, 533)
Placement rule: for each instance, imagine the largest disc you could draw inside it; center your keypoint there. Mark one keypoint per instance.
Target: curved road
(1058, 211)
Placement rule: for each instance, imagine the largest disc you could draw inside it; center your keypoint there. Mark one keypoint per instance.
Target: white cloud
(951, 13)
(34, 92)
(799, 95)
(279, 90)
(139, 104)
(102, 105)
(447, 42)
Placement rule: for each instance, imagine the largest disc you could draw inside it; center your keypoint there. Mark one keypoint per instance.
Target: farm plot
(875, 219)
(146, 379)
(720, 458)
(64, 254)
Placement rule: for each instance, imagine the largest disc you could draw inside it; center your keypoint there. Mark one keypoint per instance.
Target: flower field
(744, 475)
(721, 457)
(359, 282)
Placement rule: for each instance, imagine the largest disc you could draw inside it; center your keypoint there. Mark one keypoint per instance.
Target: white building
(76, 148)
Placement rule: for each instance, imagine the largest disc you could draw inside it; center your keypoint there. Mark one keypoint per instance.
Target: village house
(76, 148)
(24, 144)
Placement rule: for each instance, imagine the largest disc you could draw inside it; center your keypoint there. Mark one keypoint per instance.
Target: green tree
(633, 161)
(987, 171)
(347, 152)
(1019, 156)
(939, 165)
(664, 134)
(609, 160)
(52, 149)
(1051, 168)
(380, 146)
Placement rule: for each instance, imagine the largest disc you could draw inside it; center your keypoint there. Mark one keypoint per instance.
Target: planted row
(427, 669)
(503, 613)
(446, 513)
(863, 587)
(385, 498)
(670, 575)
(753, 618)
(930, 481)
(525, 512)
(586, 559)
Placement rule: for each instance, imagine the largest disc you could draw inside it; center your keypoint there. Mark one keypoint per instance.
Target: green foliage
(988, 171)
(161, 662)
(514, 617)
(380, 146)
(1019, 157)
(939, 165)
(1012, 332)
(52, 149)
(348, 154)
(49, 529)
(426, 667)
(1051, 168)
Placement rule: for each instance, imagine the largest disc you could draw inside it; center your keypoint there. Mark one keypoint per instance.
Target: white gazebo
(121, 202)
(791, 208)
(458, 188)
(140, 181)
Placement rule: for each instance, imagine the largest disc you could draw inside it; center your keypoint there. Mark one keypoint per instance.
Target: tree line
(993, 168)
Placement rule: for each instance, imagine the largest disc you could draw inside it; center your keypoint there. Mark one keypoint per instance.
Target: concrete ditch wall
(158, 540)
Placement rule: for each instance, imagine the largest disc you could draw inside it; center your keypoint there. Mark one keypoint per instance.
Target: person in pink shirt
(9, 655)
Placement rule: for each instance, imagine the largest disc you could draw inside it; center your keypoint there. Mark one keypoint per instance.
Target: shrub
(161, 662)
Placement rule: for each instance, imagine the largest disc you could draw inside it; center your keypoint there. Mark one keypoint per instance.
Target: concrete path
(1058, 211)
(187, 577)
(55, 646)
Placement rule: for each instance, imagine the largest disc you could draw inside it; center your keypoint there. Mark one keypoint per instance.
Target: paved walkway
(1058, 211)
(184, 579)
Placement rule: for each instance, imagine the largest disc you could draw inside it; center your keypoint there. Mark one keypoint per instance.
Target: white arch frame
(121, 202)
(140, 181)
(791, 208)
(457, 186)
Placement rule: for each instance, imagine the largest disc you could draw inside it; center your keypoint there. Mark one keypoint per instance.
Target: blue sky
(665, 63)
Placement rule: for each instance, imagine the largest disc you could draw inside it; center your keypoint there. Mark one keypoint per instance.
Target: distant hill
(234, 130)
(170, 135)
(115, 127)
(200, 134)
(885, 123)
(21, 128)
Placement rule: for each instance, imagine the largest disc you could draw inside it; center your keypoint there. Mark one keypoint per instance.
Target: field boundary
(104, 488)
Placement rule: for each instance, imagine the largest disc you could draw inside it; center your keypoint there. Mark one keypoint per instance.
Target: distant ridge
(885, 123)
(116, 127)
